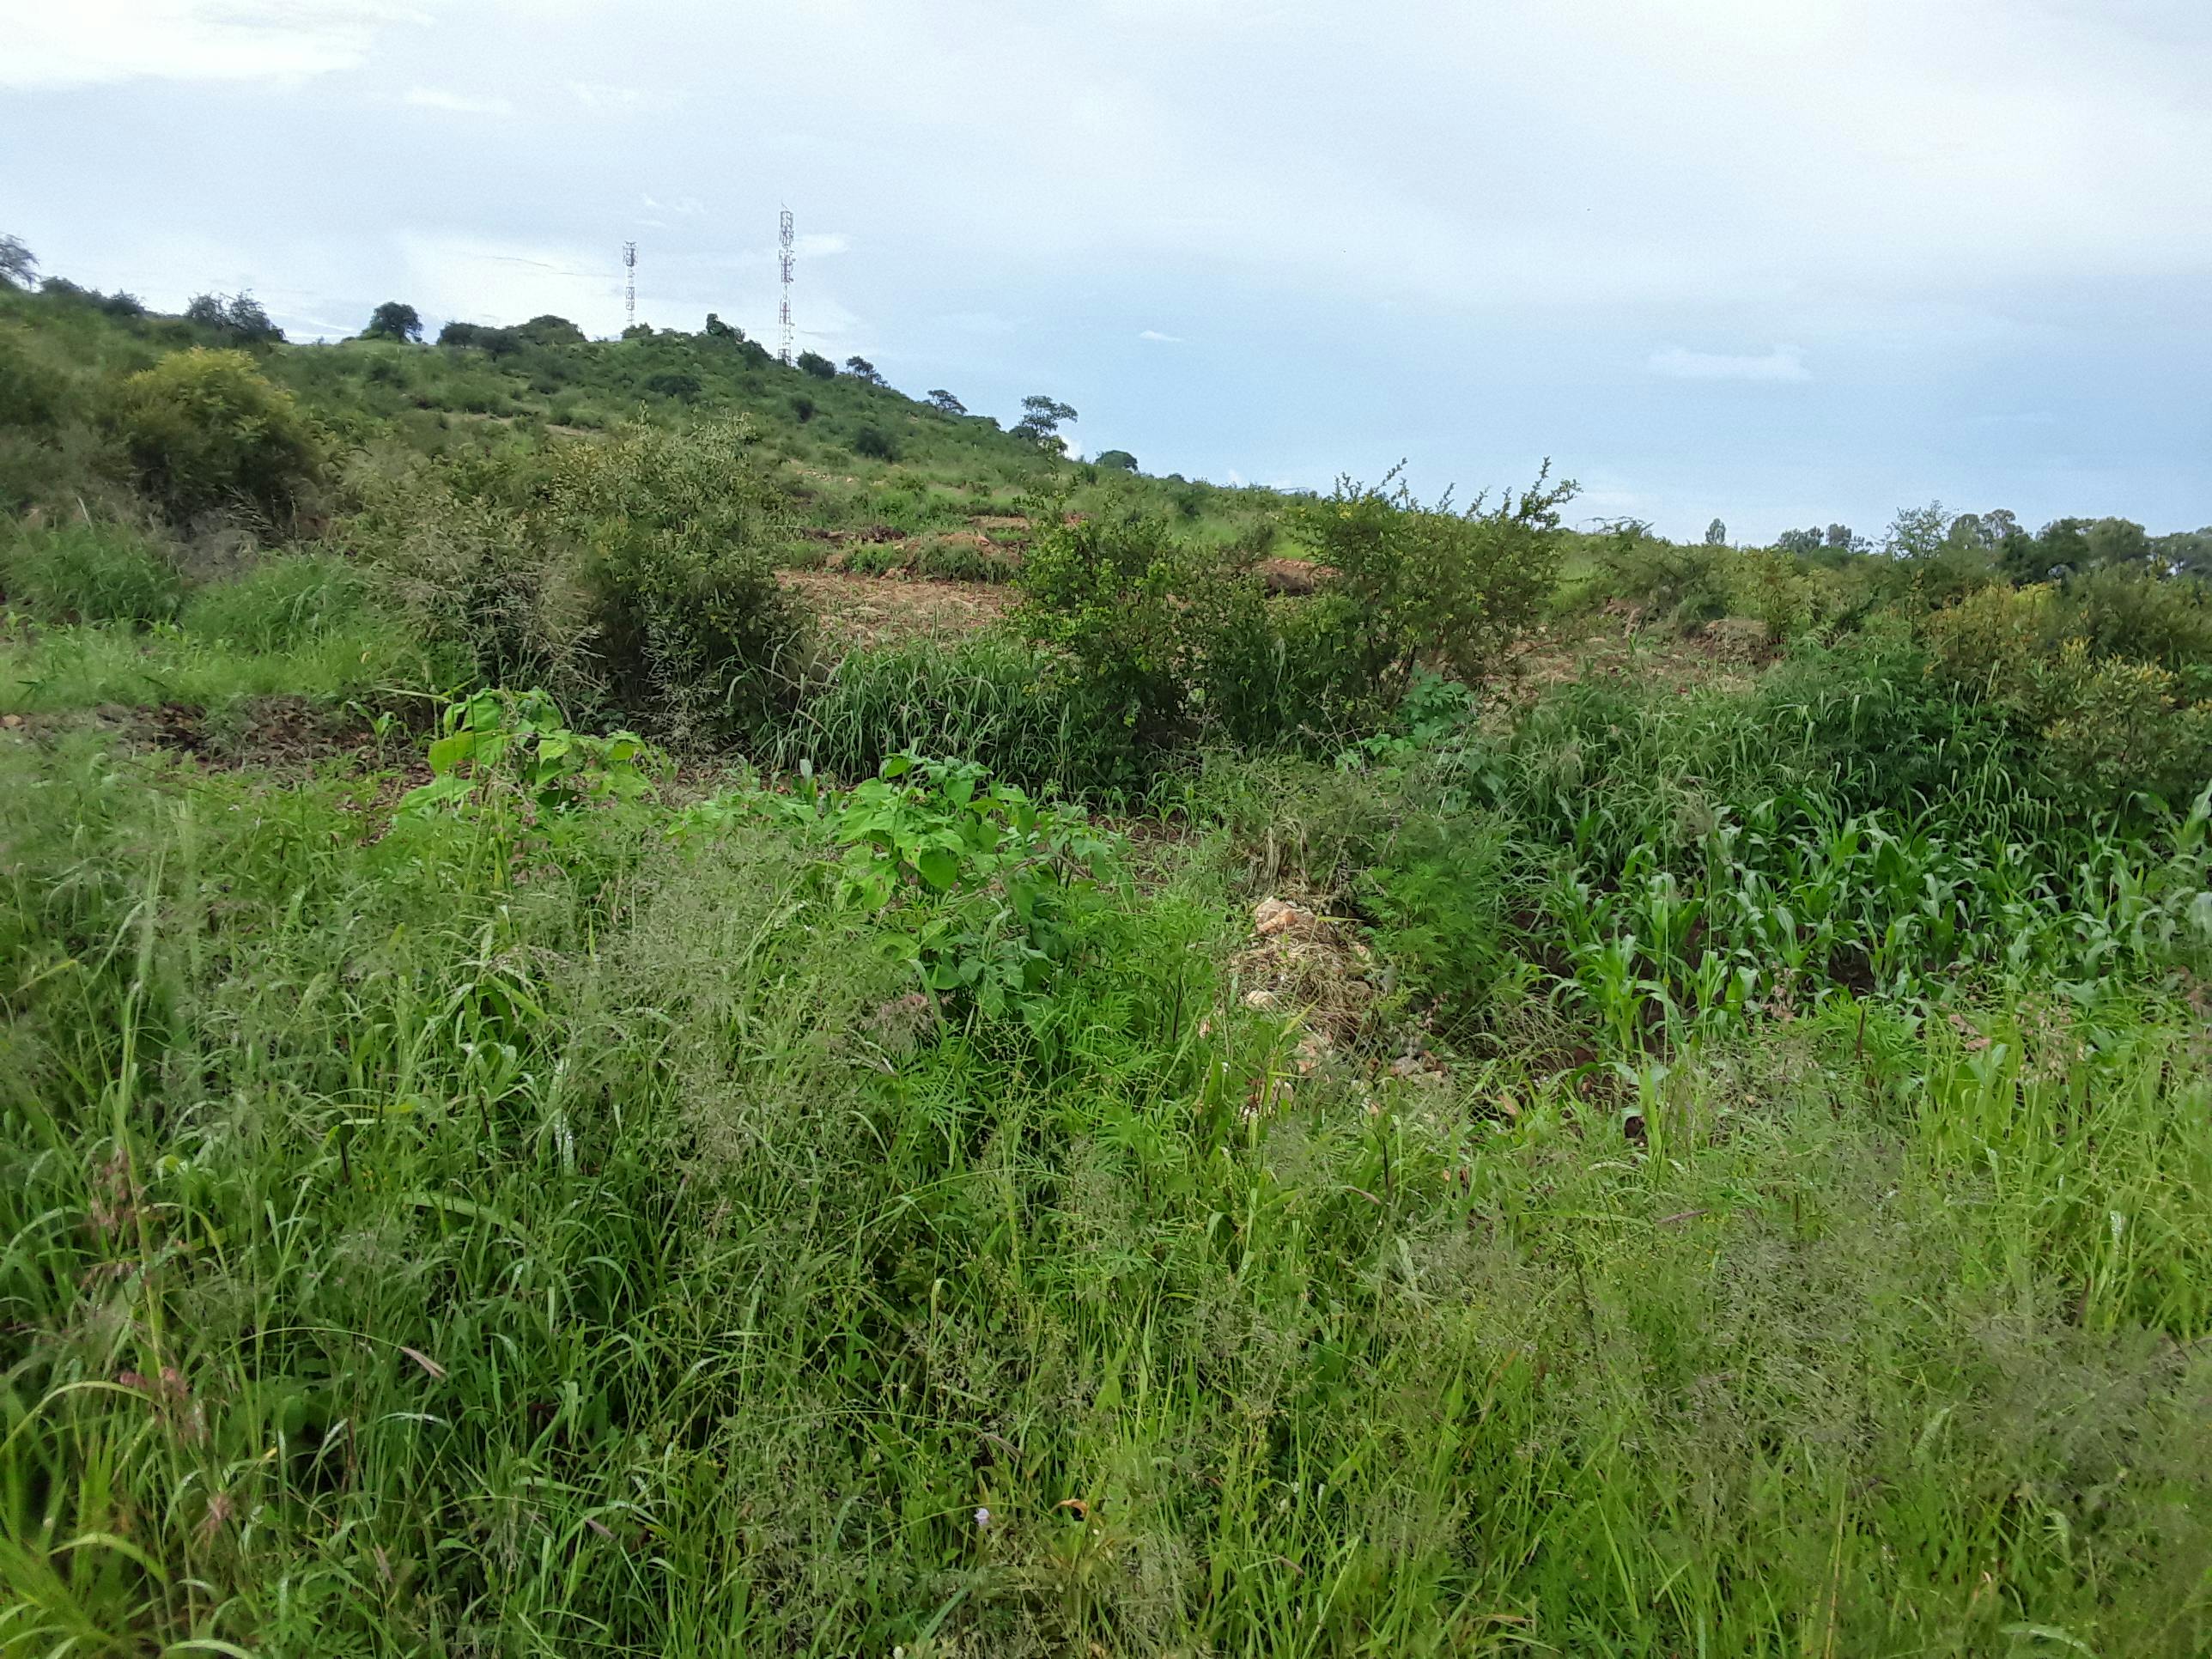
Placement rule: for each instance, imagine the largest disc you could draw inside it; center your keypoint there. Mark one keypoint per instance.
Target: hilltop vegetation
(1337, 1074)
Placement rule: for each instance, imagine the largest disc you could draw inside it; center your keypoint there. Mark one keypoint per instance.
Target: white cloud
(977, 322)
(1164, 339)
(822, 245)
(1783, 363)
(88, 42)
(686, 205)
(459, 103)
(625, 100)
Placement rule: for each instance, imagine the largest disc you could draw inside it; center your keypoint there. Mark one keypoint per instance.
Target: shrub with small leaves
(204, 429)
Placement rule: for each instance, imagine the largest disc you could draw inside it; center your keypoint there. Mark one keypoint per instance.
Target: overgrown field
(1505, 1093)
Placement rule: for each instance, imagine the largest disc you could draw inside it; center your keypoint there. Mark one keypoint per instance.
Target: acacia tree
(238, 319)
(394, 321)
(17, 263)
(945, 402)
(1918, 533)
(864, 371)
(1041, 419)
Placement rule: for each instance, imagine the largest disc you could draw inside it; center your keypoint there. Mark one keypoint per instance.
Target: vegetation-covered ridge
(1334, 1075)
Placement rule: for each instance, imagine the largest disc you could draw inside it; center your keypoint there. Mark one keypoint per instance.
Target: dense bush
(1132, 607)
(92, 572)
(465, 569)
(203, 429)
(1412, 583)
(674, 534)
(1179, 637)
(874, 443)
(814, 363)
(674, 383)
(32, 390)
(2080, 671)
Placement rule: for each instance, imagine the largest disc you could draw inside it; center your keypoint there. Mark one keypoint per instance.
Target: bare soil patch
(868, 611)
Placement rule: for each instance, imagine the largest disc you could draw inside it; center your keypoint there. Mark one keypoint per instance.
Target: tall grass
(990, 698)
(84, 668)
(404, 1258)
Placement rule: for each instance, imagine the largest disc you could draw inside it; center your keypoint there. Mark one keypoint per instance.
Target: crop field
(651, 1004)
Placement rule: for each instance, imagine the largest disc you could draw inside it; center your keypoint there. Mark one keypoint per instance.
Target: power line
(784, 317)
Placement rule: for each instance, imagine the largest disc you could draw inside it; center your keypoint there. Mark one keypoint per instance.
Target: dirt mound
(1291, 575)
(1308, 966)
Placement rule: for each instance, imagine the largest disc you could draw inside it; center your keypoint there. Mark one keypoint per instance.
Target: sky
(1780, 264)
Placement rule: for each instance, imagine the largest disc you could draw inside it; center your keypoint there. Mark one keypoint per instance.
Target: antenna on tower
(629, 282)
(784, 318)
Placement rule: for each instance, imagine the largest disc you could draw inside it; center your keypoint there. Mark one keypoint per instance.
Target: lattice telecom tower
(783, 318)
(629, 282)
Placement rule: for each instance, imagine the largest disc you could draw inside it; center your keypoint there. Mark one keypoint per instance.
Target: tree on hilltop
(394, 321)
(1041, 419)
(238, 319)
(945, 402)
(17, 263)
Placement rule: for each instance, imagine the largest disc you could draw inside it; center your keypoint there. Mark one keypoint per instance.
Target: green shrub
(675, 532)
(280, 603)
(875, 443)
(33, 393)
(2146, 617)
(2115, 727)
(470, 575)
(684, 387)
(2100, 724)
(203, 429)
(1126, 602)
(1419, 584)
(89, 572)
(1679, 583)
(1178, 639)
(814, 363)
(974, 884)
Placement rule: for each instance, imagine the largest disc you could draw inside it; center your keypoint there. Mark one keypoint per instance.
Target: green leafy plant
(508, 762)
(976, 883)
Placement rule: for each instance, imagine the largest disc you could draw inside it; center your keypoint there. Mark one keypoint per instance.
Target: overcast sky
(1779, 261)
